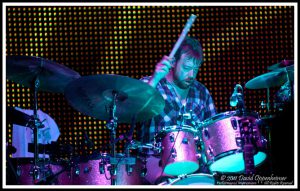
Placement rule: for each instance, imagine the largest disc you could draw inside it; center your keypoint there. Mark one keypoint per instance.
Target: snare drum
(179, 150)
(193, 179)
(222, 142)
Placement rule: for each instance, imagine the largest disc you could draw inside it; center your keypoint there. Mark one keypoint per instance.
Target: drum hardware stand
(290, 82)
(128, 137)
(35, 124)
(112, 125)
(49, 180)
(246, 128)
(268, 100)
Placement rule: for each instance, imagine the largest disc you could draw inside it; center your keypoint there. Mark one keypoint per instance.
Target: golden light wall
(239, 43)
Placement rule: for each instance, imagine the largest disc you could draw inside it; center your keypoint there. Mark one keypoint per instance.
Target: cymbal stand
(112, 125)
(35, 125)
(290, 82)
(268, 100)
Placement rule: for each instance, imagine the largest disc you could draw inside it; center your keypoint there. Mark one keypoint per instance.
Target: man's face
(185, 71)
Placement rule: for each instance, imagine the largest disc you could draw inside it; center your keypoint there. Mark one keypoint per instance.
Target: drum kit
(220, 142)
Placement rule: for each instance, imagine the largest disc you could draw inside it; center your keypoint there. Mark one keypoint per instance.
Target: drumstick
(184, 32)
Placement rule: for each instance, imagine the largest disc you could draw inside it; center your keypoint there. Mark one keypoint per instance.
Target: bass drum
(192, 179)
(222, 141)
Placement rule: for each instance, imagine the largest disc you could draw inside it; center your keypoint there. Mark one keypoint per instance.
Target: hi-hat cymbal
(53, 77)
(283, 63)
(267, 80)
(93, 96)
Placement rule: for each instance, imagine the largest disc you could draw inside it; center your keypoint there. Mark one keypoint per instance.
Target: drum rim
(192, 176)
(173, 128)
(227, 114)
(229, 153)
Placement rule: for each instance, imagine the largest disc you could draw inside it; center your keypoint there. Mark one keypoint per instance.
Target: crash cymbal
(53, 76)
(283, 63)
(93, 95)
(17, 117)
(267, 80)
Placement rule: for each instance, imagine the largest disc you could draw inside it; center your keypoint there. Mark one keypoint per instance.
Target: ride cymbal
(267, 80)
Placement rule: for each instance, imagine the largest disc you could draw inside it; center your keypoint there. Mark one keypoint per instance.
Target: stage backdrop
(239, 43)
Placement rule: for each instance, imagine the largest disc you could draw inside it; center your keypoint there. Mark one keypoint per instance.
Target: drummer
(187, 101)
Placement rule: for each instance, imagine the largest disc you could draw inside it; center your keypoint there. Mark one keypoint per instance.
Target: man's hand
(161, 70)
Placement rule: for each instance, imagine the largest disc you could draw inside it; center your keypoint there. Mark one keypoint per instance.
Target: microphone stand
(129, 141)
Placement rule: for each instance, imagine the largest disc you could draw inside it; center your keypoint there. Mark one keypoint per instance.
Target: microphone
(234, 97)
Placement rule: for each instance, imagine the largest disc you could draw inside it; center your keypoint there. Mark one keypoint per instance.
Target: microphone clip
(237, 97)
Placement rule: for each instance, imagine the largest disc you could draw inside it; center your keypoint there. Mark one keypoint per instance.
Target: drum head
(195, 179)
(235, 162)
(181, 167)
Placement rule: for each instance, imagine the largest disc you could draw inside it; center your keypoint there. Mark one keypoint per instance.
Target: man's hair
(192, 47)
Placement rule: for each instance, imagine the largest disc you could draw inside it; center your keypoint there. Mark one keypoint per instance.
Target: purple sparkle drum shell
(179, 150)
(24, 170)
(88, 173)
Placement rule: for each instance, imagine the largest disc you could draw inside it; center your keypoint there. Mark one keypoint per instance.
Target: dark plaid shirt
(199, 106)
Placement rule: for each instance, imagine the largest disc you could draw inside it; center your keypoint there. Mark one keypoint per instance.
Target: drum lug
(77, 170)
(173, 153)
(206, 133)
(264, 141)
(234, 123)
(101, 167)
(198, 155)
(129, 169)
(172, 138)
(185, 141)
(144, 171)
(238, 141)
(210, 151)
(19, 170)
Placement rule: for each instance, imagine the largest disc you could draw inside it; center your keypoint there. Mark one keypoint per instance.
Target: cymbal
(267, 80)
(53, 77)
(93, 96)
(283, 63)
(17, 117)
